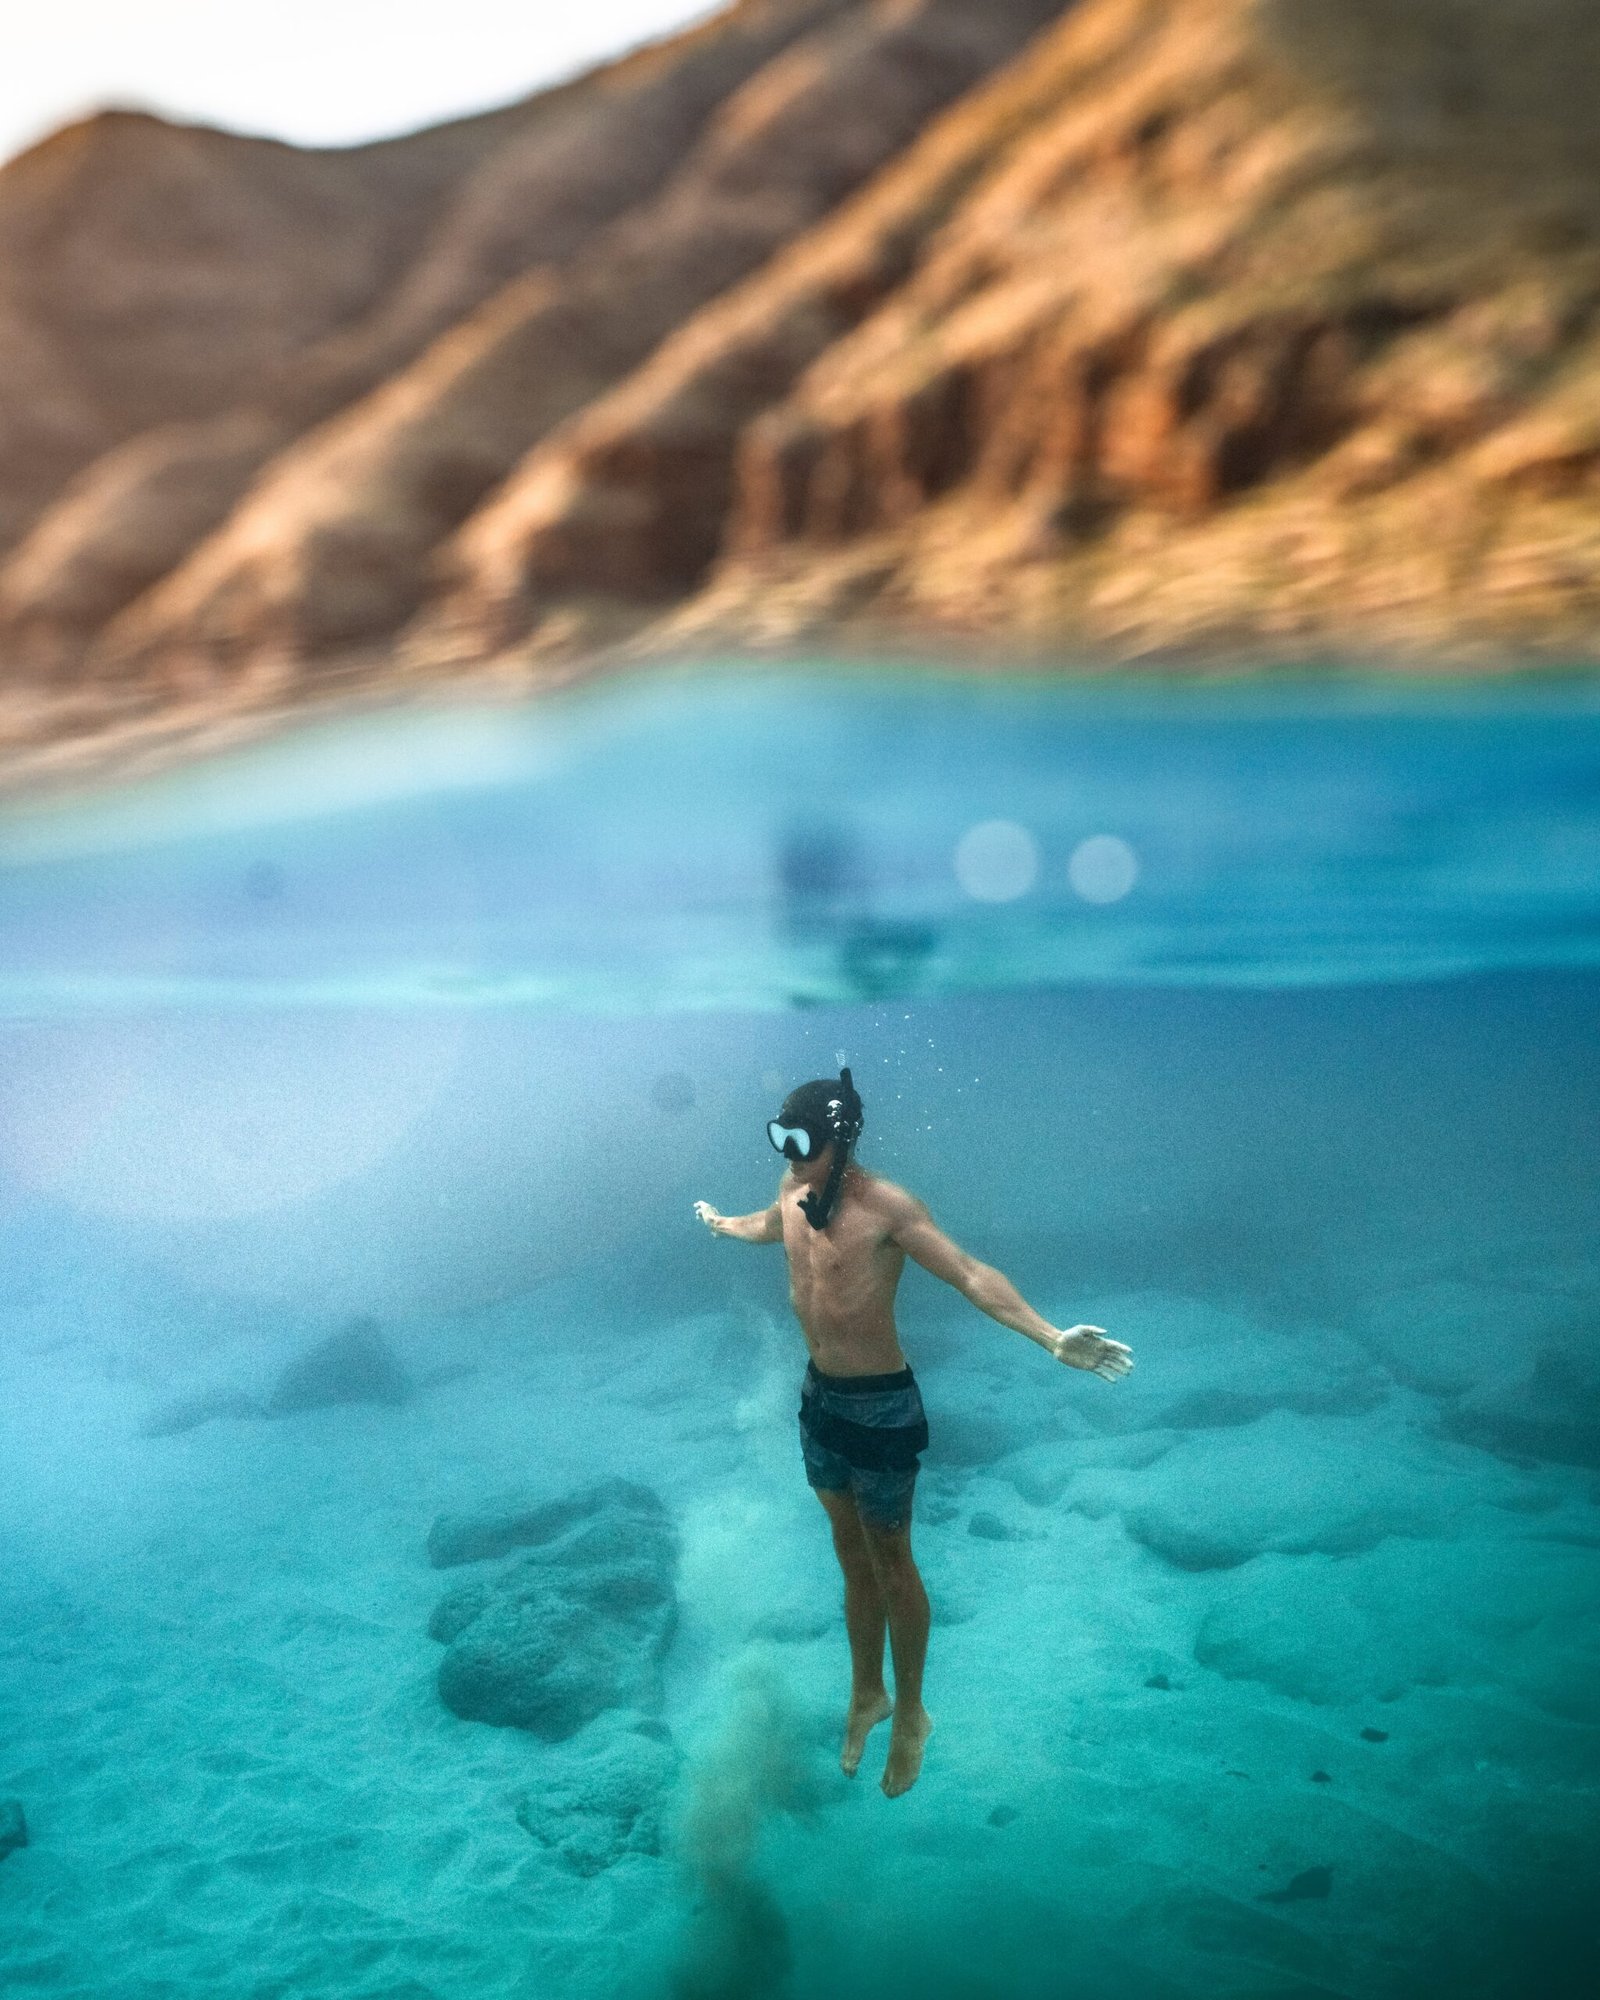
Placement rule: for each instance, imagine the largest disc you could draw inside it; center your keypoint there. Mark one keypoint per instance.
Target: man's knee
(849, 1537)
(889, 1552)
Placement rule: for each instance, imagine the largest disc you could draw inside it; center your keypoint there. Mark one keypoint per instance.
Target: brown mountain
(148, 269)
(1174, 327)
(407, 236)
(329, 550)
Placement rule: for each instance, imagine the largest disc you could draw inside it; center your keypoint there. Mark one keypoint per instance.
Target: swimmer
(847, 1234)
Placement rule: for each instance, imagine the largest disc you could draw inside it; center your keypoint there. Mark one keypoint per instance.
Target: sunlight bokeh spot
(997, 861)
(1103, 868)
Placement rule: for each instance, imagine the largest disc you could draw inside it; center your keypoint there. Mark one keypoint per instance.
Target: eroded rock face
(578, 1625)
(120, 526)
(1237, 346)
(1130, 348)
(630, 498)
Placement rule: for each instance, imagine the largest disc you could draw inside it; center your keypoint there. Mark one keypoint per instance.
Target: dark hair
(809, 1104)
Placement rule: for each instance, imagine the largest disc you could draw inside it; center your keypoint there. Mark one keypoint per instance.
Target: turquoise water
(1256, 1024)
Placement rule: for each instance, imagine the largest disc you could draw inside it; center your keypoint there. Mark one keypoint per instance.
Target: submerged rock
(793, 1626)
(608, 1803)
(518, 1520)
(991, 1528)
(579, 1624)
(1552, 1412)
(1448, 1337)
(1290, 1484)
(1517, 1616)
(1221, 1370)
(1234, 1945)
(1042, 1473)
(13, 1827)
(355, 1366)
(189, 1412)
(970, 1438)
(1311, 1884)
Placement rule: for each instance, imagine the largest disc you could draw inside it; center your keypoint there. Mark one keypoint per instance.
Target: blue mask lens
(793, 1141)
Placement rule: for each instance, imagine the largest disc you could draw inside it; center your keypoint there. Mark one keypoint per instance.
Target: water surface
(1255, 1023)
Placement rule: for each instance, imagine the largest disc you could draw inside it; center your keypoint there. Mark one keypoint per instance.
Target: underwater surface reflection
(353, 1097)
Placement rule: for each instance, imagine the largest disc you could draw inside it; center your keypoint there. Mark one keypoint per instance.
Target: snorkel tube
(844, 1119)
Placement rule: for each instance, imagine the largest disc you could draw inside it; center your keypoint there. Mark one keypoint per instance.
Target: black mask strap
(817, 1208)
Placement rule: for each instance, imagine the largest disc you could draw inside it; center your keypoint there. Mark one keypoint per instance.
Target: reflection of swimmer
(847, 1235)
(819, 878)
(823, 884)
(879, 960)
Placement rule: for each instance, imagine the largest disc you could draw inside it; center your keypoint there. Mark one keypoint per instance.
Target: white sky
(323, 72)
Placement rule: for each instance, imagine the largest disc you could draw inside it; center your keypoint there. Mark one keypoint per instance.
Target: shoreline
(141, 740)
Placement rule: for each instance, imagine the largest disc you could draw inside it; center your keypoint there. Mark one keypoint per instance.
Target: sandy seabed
(1192, 1648)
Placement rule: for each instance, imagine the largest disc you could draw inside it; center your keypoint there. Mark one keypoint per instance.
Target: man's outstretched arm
(765, 1226)
(991, 1291)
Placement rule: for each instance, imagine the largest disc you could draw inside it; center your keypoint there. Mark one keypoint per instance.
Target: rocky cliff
(329, 550)
(1277, 336)
(1210, 328)
(1136, 328)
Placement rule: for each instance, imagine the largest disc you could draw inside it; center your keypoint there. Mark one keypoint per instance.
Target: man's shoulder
(888, 1199)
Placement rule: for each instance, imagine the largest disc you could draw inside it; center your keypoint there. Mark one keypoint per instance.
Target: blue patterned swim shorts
(863, 1435)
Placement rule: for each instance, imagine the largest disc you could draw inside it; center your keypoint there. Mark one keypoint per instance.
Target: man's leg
(906, 1604)
(865, 1620)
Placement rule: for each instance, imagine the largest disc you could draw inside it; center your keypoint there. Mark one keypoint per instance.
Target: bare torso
(842, 1279)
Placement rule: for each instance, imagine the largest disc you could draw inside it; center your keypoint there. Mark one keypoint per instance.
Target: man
(847, 1235)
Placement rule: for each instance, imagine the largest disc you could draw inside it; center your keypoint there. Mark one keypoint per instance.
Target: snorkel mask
(814, 1116)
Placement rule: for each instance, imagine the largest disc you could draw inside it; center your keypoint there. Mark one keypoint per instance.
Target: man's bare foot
(865, 1715)
(906, 1741)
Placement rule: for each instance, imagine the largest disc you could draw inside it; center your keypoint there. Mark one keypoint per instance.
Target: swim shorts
(862, 1435)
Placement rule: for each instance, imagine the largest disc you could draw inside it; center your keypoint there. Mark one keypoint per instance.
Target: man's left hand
(1088, 1348)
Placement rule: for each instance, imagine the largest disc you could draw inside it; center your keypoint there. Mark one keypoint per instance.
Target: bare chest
(843, 1269)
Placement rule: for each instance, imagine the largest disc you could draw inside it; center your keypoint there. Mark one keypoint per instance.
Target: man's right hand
(717, 1224)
